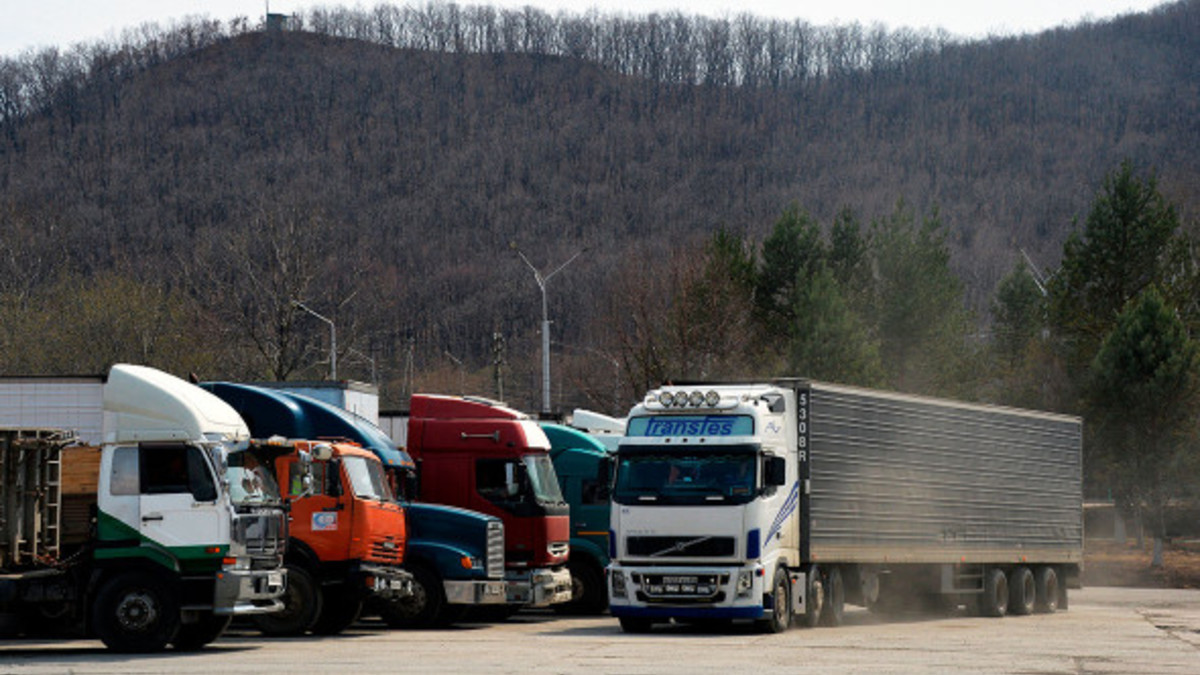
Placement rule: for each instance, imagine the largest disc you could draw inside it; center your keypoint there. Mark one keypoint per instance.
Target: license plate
(680, 580)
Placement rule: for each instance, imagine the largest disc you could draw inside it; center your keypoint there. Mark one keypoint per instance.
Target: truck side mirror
(774, 471)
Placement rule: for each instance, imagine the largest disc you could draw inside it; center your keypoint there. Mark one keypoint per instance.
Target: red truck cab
(483, 456)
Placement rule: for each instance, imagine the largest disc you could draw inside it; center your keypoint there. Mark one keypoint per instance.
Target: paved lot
(1107, 630)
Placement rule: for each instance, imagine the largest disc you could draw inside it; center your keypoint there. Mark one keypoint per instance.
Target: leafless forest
(166, 198)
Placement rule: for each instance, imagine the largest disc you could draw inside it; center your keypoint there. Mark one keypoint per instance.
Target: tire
(1046, 582)
(302, 604)
(136, 612)
(588, 594)
(994, 600)
(425, 608)
(781, 602)
(193, 636)
(636, 624)
(835, 599)
(1022, 592)
(814, 598)
(340, 608)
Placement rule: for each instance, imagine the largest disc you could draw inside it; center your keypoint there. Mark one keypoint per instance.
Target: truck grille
(261, 533)
(387, 550)
(681, 588)
(690, 546)
(495, 549)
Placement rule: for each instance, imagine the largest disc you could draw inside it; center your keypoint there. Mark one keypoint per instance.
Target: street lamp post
(542, 280)
(332, 338)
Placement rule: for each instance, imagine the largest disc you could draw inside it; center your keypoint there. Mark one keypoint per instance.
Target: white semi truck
(790, 498)
(170, 554)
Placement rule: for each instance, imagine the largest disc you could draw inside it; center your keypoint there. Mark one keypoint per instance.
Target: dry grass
(1107, 563)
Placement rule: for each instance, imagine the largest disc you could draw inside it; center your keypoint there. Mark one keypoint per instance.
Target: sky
(33, 25)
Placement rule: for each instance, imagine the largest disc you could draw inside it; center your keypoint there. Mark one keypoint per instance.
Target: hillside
(414, 169)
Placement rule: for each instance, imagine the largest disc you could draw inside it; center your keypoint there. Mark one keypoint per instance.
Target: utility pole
(542, 280)
(498, 363)
(332, 338)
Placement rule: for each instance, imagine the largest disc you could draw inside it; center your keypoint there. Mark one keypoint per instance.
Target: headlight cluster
(683, 399)
(745, 583)
(618, 583)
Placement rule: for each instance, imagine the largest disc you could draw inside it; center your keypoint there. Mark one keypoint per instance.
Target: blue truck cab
(584, 468)
(456, 556)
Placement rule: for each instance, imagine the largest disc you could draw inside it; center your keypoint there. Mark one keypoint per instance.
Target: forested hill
(402, 159)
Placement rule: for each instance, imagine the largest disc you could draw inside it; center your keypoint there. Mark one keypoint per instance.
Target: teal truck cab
(584, 468)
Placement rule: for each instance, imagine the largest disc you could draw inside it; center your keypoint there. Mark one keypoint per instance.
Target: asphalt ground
(1106, 630)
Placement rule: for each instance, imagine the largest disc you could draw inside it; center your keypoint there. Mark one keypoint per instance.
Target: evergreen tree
(1018, 315)
(830, 342)
(916, 306)
(791, 255)
(1141, 396)
(1126, 246)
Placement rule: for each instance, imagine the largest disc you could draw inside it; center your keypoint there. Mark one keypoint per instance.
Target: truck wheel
(136, 612)
(994, 600)
(302, 604)
(814, 597)
(588, 594)
(636, 624)
(193, 636)
(1046, 581)
(835, 598)
(340, 608)
(781, 602)
(1022, 592)
(425, 608)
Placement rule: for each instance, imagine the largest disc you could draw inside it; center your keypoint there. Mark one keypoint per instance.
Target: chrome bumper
(539, 588)
(481, 592)
(241, 592)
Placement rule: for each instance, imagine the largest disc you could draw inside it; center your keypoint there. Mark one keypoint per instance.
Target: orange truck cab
(480, 455)
(347, 534)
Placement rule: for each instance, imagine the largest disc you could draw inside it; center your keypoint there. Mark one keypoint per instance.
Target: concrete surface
(1106, 630)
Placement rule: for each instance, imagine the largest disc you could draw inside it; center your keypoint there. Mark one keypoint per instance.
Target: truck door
(176, 495)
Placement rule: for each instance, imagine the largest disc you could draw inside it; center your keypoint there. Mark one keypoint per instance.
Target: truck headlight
(745, 583)
(618, 584)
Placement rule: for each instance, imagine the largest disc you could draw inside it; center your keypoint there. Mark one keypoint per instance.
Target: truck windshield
(543, 479)
(367, 479)
(716, 475)
(250, 479)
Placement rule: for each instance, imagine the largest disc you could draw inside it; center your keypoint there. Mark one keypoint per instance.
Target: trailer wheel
(814, 597)
(1046, 581)
(193, 636)
(302, 604)
(136, 612)
(636, 624)
(835, 598)
(994, 600)
(781, 603)
(1022, 592)
(340, 608)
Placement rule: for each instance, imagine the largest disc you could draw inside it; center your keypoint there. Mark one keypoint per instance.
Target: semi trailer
(788, 499)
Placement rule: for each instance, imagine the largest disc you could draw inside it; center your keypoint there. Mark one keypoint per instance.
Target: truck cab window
(174, 469)
(163, 469)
